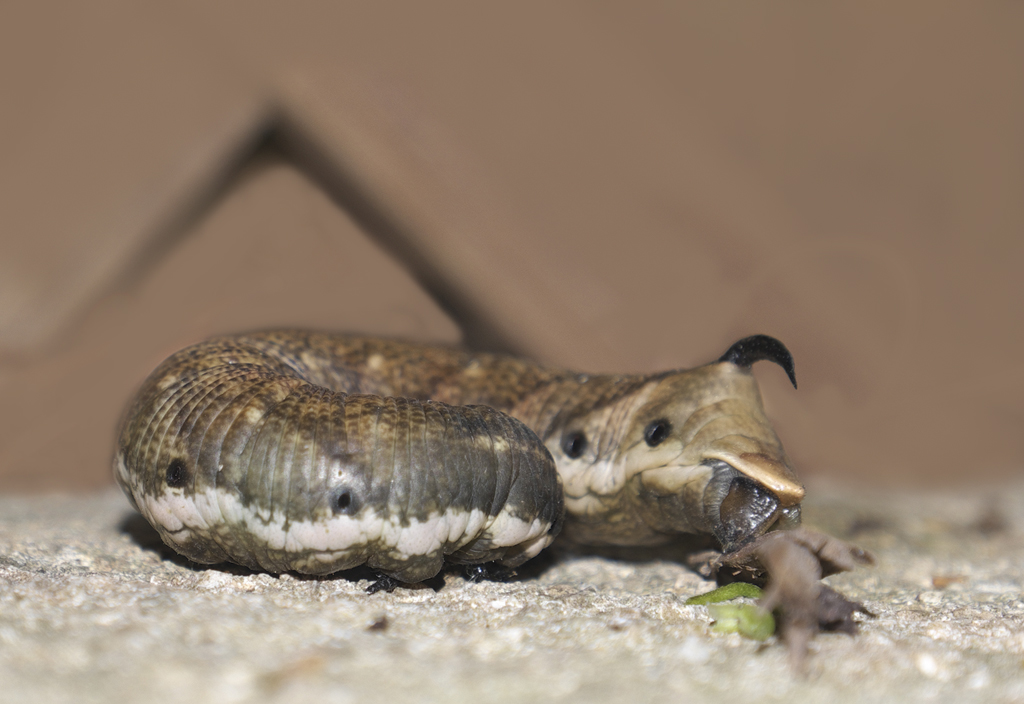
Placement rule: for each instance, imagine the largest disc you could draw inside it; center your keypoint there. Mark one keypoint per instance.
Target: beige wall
(608, 187)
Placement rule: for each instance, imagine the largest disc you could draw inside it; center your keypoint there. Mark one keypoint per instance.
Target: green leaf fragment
(726, 593)
(746, 619)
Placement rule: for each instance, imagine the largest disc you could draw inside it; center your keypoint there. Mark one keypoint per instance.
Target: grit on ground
(93, 609)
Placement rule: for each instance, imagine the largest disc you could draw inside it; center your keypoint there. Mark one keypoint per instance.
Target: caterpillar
(316, 452)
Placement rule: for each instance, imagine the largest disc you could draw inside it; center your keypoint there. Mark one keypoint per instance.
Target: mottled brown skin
(236, 438)
(647, 495)
(642, 459)
(715, 410)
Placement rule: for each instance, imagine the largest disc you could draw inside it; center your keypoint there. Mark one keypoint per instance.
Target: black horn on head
(757, 347)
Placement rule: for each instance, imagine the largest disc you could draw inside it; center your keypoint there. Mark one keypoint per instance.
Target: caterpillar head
(689, 452)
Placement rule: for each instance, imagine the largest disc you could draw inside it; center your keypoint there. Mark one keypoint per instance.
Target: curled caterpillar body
(239, 450)
(293, 450)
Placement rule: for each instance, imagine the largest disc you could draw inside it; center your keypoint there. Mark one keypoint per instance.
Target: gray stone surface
(91, 609)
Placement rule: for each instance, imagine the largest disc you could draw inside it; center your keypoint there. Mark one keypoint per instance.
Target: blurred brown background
(622, 187)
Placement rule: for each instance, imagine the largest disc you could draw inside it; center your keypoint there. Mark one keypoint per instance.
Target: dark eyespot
(657, 431)
(344, 501)
(574, 444)
(177, 473)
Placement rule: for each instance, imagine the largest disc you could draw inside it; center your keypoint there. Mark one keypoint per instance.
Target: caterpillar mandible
(314, 452)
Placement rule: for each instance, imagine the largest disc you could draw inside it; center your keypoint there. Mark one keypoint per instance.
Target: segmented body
(298, 451)
(305, 451)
